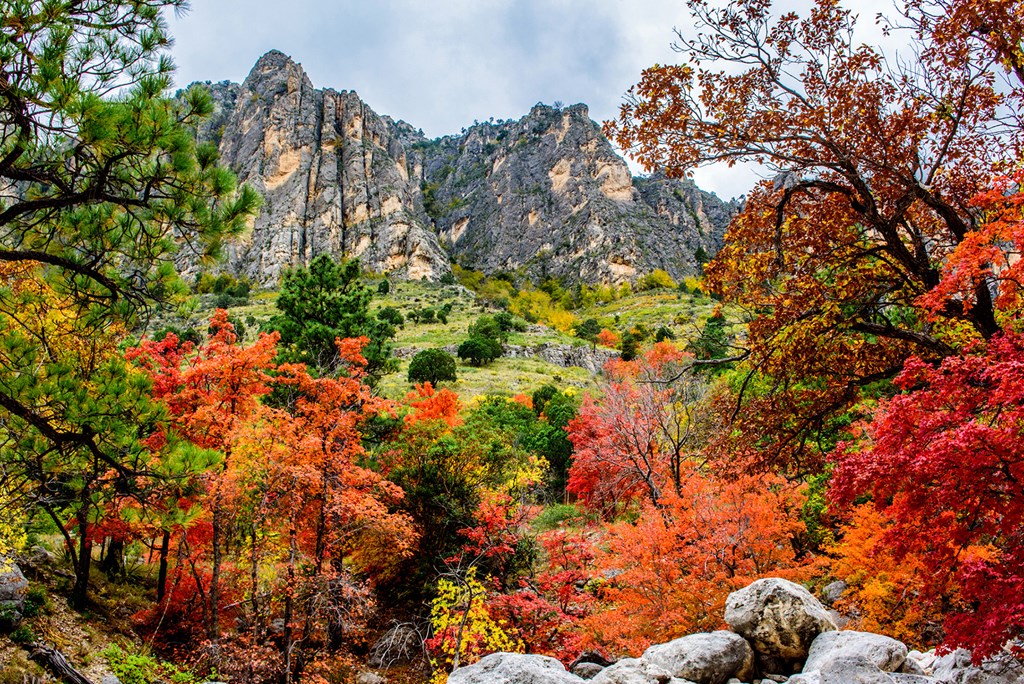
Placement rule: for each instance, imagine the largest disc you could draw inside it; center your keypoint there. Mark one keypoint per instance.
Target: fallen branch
(56, 662)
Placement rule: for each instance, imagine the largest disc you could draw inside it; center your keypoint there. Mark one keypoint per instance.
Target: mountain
(545, 195)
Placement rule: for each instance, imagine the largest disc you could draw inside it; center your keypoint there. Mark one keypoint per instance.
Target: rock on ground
(514, 668)
(13, 588)
(705, 658)
(780, 618)
(399, 645)
(957, 668)
(881, 651)
(636, 671)
(846, 669)
(587, 670)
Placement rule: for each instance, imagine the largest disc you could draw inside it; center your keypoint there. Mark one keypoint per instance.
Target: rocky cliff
(546, 195)
(333, 177)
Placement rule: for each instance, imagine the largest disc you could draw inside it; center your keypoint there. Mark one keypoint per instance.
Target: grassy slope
(684, 314)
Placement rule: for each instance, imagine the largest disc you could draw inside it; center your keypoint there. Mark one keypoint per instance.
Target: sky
(441, 64)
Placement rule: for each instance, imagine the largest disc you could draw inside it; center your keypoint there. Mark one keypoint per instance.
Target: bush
(655, 280)
(448, 279)
(35, 602)
(384, 287)
(479, 350)
(509, 323)
(488, 327)
(541, 396)
(23, 635)
(629, 347)
(663, 334)
(433, 366)
(391, 315)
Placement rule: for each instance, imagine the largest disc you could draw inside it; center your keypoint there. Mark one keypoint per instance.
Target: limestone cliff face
(333, 177)
(548, 194)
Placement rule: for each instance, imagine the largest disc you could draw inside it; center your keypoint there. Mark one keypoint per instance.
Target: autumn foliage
(288, 497)
(944, 462)
(672, 570)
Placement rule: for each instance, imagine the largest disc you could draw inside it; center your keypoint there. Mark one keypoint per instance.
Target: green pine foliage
(323, 303)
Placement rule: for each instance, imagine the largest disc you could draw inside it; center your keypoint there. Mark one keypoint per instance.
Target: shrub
(23, 635)
(391, 315)
(487, 327)
(479, 350)
(433, 366)
(384, 287)
(629, 347)
(655, 280)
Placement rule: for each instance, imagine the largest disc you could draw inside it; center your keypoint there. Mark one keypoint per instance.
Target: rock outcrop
(549, 195)
(832, 657)
(333, 175)
(705, 658)
(546, 194)
(13, 588)
(881, 651)
(514, 668)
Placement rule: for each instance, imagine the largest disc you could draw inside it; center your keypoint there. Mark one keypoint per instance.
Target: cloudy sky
(441, 64)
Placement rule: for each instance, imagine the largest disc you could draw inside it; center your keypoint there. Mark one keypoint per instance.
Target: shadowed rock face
(546, 194)
(333, 176)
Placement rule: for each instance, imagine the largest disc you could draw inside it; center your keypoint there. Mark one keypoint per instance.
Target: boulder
(957, 668)
(400, 645)
(905, 678)
(13, 588)
(705, 658)
(833, 591)
(912, 666)
(636, 671)
(370, 678)
(916, 660)
(514, 668)
(844, 670)
(780, 618)
(881, 651)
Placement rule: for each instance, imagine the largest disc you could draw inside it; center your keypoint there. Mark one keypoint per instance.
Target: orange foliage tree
(291, 512)
(673, 569)
(634, 441)
(887, 592)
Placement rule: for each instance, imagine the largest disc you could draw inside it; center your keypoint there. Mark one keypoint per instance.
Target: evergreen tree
(589, 330)
(433, 366)
(323, 303)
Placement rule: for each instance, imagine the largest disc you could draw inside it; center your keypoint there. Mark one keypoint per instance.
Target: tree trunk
(80, 591)
(113, 562)
(213, 628)
(288, 605)
(57, 663)
(161, 579)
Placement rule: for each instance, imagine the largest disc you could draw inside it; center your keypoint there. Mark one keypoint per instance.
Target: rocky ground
(778, 632)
